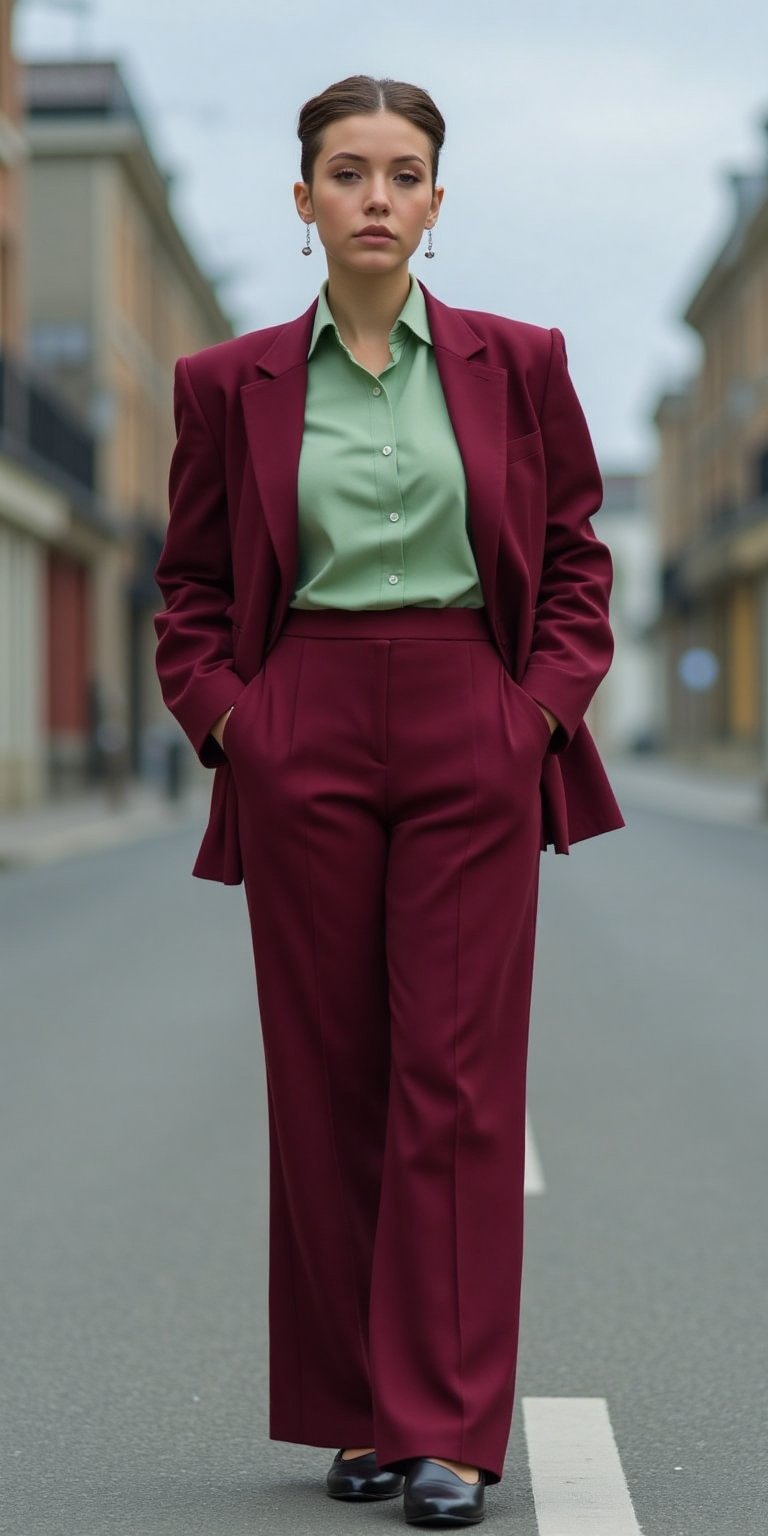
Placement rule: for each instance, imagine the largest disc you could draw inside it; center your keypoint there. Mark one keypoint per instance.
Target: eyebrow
(342, 155)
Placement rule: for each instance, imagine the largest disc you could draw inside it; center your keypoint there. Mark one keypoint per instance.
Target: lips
(373, 233)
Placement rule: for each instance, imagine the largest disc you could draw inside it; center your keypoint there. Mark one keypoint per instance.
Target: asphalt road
(133, 1203)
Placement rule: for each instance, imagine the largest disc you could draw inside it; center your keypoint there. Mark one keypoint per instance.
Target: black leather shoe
(360, 1477)
(435, 1495)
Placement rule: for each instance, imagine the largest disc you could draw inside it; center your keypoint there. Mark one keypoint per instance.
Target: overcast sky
(585, 164)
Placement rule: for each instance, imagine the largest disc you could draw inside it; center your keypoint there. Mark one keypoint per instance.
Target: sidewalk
(86, 822)
(698, 792)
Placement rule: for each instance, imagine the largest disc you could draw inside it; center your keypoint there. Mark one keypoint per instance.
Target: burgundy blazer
(228, 567)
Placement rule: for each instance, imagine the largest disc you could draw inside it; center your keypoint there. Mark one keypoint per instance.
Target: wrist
(551, 719)
(217, 730)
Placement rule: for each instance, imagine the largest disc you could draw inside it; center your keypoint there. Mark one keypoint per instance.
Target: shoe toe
(436, 1495)
(360, 1477)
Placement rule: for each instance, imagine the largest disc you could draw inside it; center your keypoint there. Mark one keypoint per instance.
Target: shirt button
(387, 449)
(376, 389)
(393, 579)
(394, 517)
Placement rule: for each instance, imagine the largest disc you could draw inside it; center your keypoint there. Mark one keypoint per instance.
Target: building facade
(114, 296)
(626, 714)
(54, 529)
(710, 494)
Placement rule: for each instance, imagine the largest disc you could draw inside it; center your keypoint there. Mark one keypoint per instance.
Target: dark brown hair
(362, 93)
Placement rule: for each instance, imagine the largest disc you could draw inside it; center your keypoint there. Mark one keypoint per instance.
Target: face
(373, 168)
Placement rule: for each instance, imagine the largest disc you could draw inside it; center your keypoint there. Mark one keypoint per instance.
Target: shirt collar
(413, 315)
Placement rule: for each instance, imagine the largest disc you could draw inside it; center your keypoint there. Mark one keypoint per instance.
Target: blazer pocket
(523, 447)
(236, 636)
(531, 705)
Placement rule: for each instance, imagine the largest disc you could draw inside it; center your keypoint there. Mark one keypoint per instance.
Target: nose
(378, 197)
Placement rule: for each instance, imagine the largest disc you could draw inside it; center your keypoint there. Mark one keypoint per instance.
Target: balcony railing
(726, 520)
(38, 430)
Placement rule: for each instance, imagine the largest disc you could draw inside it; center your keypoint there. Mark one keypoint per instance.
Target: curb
(33, 838)
(696, 794)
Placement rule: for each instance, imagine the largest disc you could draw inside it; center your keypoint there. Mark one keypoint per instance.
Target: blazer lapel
(273, 412)
(476, 400)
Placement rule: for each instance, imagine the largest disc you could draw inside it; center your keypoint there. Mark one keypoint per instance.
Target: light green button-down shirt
(382, 496)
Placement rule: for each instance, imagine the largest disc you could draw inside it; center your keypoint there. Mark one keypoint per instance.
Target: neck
(366, 305)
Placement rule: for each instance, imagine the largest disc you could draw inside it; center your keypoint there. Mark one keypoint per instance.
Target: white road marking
(534, 1178)
(579, 1488)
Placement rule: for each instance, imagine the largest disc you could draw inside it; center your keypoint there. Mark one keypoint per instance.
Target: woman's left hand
(551, 719)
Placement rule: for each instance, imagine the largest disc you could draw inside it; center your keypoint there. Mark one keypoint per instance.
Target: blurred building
(711, 503)
(54, 529)
(113, 297)
(626, 715)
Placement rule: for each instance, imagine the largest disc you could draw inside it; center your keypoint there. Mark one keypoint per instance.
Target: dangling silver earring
(306, 250)
(429, 251)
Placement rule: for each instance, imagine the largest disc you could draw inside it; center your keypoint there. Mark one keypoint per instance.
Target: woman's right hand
(217, 729)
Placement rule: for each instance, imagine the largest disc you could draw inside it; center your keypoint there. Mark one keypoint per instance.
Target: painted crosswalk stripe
(534, 1178)
(579, 1488)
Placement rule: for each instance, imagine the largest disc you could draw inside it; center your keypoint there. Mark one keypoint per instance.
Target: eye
(348, 171)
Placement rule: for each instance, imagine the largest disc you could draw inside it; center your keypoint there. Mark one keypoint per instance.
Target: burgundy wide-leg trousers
(387, 770)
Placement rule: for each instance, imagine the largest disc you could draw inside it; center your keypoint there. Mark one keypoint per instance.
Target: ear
(302, 200)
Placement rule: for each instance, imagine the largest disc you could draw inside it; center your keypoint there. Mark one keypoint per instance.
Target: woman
(386, 612)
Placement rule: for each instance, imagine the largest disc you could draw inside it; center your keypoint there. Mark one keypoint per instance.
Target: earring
(429, 251)
(306, 250)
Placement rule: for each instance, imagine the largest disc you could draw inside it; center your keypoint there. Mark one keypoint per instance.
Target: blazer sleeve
(193, 658)
(572, 642)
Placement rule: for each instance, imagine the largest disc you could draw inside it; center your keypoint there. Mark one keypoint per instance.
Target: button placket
(389, 491)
